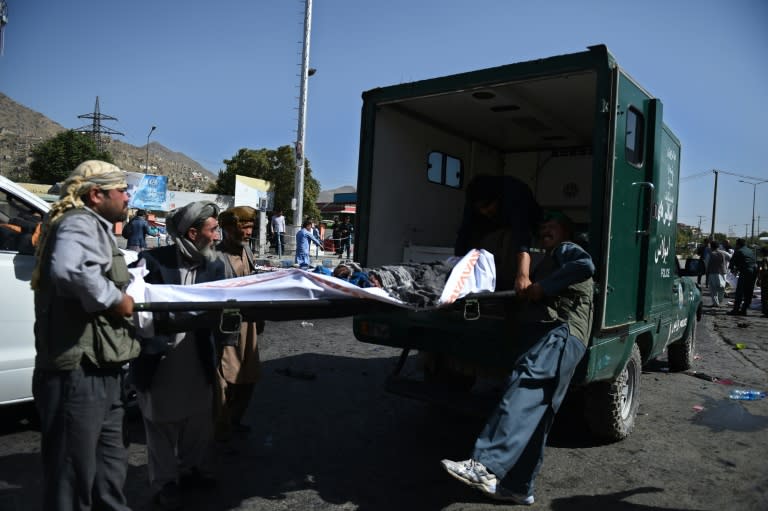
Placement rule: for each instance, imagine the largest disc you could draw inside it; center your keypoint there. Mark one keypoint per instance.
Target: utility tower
(96, 130)
(3, 23)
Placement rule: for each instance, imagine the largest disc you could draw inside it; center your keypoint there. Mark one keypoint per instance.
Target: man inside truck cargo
(555, 322)
(500, 215)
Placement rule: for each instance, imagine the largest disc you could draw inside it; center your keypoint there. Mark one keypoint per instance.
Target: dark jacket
(565, 274)
(743, 260)
(139, 229)
(163, 266)
(508, 233)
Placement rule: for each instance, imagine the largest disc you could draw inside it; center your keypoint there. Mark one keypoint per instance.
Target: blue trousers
(511, 445)
(81, 423)
(279, 243)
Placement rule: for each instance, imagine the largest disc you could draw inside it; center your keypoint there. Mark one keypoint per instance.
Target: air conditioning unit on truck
(589, 141)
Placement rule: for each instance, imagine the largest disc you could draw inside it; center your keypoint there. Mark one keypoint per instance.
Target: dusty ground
(327, 437)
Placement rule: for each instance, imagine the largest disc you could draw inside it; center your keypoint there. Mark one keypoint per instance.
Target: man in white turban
(175, 371)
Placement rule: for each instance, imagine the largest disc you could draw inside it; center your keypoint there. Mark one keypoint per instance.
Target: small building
(343, 204)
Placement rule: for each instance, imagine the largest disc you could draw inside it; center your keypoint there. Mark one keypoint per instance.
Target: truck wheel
(680, 353)
(611, 407)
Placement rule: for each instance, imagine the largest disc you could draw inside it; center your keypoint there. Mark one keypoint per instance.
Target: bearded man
(174, 373)
(83, 336)
(239, 365)
(554, 331)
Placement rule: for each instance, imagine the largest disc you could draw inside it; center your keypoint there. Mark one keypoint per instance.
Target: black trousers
(745, 286)
(81, 420)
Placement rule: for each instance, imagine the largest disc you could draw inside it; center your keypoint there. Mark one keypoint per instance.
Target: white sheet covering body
(475, 272)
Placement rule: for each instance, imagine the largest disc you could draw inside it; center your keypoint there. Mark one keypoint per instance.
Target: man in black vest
(554, 331)
(83, 336)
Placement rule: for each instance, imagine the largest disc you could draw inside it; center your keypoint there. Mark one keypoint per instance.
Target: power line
(693, 176)
(740, 175)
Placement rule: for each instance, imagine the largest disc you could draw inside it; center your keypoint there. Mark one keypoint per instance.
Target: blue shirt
(303, 240)
(573, 265)
(139, 229)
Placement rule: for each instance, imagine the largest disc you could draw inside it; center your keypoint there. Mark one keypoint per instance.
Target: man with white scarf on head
(83, 336)
(174, 373)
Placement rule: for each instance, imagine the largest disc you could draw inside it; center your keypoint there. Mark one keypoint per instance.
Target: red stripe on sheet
(465, 273)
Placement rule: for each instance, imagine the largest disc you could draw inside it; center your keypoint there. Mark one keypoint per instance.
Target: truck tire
(611, 407)
(680, 353)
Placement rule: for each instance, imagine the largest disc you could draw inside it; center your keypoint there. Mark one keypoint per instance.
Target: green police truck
(589, 141)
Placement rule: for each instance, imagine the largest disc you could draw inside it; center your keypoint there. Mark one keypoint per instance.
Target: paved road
(327, 437)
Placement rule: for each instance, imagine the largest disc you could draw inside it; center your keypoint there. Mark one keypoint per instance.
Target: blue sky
(215, 77)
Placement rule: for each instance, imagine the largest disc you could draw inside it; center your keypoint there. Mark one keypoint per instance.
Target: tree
(277, 166)
(56, 158)
(685, 238)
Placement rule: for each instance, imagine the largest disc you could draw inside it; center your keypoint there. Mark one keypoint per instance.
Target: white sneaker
(475, 474)
(502, 493)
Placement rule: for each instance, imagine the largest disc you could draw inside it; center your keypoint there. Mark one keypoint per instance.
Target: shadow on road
(323, 424)
(17, 418)
(322, 428)
(612, 501)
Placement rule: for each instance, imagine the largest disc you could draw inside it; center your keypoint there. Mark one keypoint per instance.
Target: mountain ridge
(22, 128)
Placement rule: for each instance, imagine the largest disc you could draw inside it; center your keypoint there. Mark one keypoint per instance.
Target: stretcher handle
(235, 304)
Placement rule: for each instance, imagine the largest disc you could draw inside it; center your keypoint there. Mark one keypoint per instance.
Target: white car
(17, 310)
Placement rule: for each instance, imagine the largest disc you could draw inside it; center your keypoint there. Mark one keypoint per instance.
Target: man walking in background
(136, 232)
(278, 230)
(743, 261)
(762, 277)
(717, 267)
(304, 239)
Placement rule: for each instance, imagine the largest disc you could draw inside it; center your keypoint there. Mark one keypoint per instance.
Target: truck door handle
(647, 230)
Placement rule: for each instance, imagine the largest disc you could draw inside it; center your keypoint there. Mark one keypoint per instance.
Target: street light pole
(754, 196)
(714, 206)
(148, 134)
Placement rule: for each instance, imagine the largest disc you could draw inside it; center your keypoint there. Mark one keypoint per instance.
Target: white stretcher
(298, 294)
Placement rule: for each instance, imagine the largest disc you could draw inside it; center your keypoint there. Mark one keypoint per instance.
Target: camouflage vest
(65, 332)
(574, 305)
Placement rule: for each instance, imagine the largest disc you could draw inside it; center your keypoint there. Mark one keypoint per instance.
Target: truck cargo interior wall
(407, 209)
(564, 182)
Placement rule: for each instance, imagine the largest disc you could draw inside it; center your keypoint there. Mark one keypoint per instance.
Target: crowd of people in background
(748, 264)
(339, 241)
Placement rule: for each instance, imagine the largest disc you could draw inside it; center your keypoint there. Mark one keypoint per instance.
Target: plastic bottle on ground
(747, 394)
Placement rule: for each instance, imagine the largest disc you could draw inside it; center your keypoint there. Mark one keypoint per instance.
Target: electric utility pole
(714, 207)
(298, 195)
